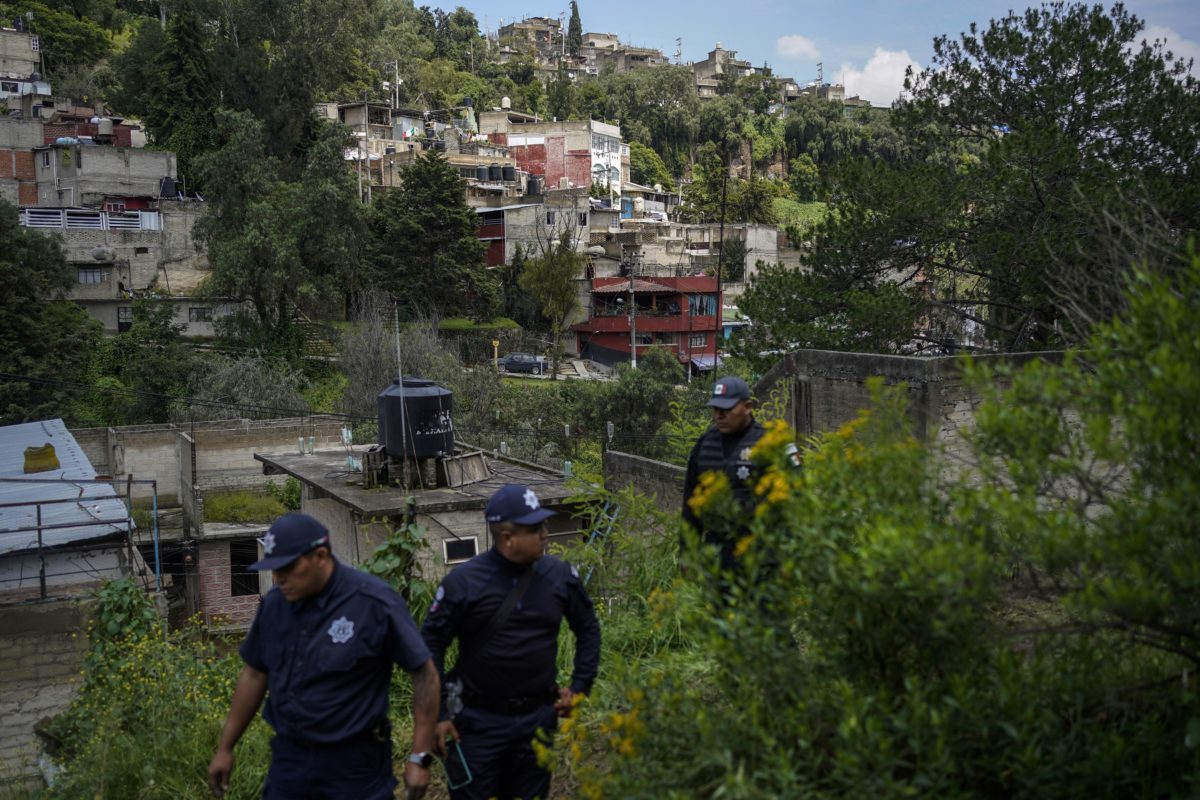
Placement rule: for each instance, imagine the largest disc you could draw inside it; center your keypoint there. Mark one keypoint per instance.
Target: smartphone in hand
(457, 772)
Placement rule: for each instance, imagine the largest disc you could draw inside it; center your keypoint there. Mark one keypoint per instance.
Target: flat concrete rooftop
(325, 471)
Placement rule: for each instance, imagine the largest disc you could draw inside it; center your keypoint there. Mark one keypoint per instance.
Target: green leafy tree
(574, 30)
(44, 338)
(427, 252)
(136, 375)
(168, 79)
(67, 40)
(560, 96)
(647, 168)
(278, 244)
(550, 278)
(275, 60)
(1001, 175)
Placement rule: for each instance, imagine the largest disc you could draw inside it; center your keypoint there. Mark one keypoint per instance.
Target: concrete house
(568, 154)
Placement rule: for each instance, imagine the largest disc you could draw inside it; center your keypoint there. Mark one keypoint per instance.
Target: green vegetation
(42, 335)
(898, 627)
(245, 506)
(147, 716)
(1009, 211)
(465, 324)
(901, 628)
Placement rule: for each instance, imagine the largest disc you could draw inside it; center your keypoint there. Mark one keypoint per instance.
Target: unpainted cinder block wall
(42, 646)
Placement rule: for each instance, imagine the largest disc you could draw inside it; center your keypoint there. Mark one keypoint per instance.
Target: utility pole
(632, 320)
(720, 257)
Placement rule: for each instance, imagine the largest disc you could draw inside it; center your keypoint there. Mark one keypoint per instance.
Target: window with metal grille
(90, 275)
(698, 340)
(199, 314)
(242, 553)
(463, 548)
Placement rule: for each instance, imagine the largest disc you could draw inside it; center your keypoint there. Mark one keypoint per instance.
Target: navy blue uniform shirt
(519, 660)
(328, 658)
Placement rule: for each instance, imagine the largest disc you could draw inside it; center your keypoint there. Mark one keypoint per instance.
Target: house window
(463, 548)
(698, 340)
(666, 338)
(8, 86)
(549, 217)
(645, 338)
(114, 206)
(124, 318)
(242, 581)
(583, 219)
(45, 158)
(702, 305)
(199, 314)
(91, 275)
(141, 251)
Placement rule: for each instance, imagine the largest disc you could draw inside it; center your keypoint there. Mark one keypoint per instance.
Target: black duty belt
(510, 706)
(376, 734)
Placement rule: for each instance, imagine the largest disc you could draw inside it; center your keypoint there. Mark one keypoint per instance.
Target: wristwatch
(422, 760)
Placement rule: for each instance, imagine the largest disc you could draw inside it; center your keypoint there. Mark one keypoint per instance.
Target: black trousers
(499, 752)
(356, 770)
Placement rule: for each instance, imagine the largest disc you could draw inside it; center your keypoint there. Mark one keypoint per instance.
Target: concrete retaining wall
(657, 479)
(41, 651)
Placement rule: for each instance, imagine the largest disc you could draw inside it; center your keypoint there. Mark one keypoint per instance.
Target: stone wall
(819, 391)
(41, 651)
(656, 479)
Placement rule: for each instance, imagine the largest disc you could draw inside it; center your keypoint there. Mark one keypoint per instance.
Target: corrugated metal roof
(89, 517)
(639, 287)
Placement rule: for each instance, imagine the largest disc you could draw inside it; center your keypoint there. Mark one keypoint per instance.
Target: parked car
(523, 362)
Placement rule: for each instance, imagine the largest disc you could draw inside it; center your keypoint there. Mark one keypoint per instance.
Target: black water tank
(481, 172)
(509, 172)
(534, 186)
(494, 172)
(425, 409)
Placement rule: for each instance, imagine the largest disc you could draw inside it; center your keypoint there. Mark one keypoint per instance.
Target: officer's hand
(565, 702)
(416, 781)
(219, 771)
(444, 730)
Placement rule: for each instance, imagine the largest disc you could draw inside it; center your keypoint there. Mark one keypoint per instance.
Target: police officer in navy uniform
(508, 680)
(725, 447)
(321, 650)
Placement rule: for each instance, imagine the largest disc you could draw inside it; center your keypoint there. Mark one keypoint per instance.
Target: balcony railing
(89, 220)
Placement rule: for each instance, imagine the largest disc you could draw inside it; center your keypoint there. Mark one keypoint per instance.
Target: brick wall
(23, 166)
(217, 604)
(41, 651)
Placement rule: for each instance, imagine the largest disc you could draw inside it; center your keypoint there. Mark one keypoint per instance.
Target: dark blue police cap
(290, 537)
(516, 502)
(728, 392)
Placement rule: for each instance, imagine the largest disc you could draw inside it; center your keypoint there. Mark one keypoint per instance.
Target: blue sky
(870, 42)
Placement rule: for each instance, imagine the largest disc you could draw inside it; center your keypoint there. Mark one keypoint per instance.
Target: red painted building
(681, 314)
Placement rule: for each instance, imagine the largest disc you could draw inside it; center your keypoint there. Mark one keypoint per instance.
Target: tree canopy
(1015, 138)
(44, 338)
(426, 249)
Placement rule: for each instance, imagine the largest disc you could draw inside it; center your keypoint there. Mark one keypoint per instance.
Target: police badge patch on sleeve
(341, 630)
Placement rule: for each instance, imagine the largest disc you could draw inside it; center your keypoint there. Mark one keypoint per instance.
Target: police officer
(321, 650)
(725, 447)
(508, 690)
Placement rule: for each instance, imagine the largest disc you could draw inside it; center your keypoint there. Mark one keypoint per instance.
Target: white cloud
(1180, 47)
(881, 80)
(796, 46)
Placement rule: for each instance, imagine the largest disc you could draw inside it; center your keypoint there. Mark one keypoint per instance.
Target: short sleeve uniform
(328, 658)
